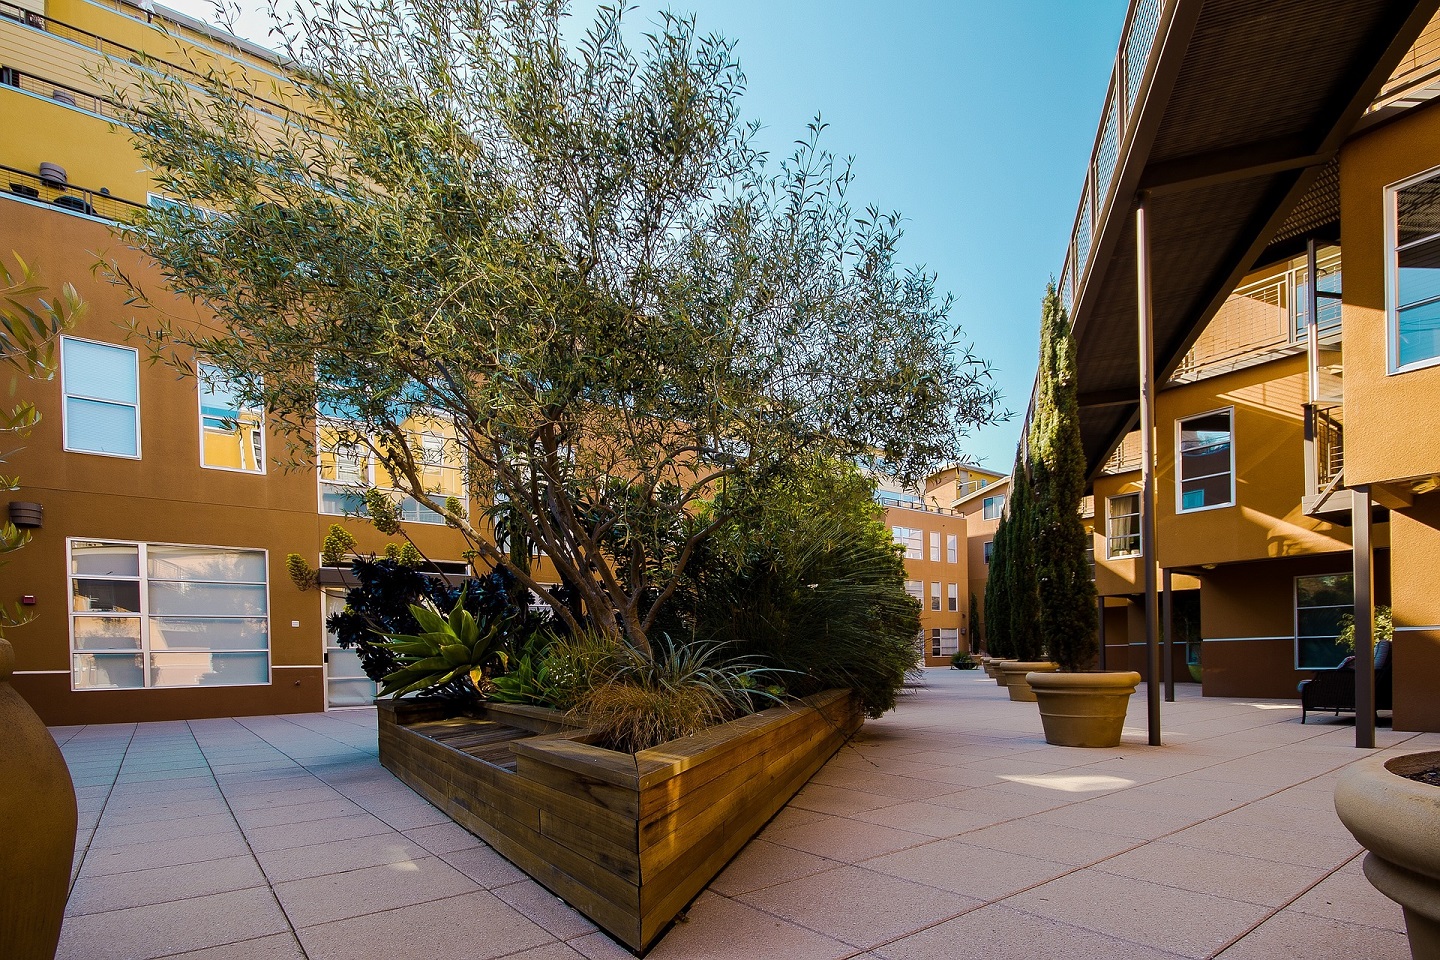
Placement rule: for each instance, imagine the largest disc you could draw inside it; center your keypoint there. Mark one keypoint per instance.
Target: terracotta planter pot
(1083, 709)
(1015, 673)
(37, 827)
(1398, 821)
(994, 670)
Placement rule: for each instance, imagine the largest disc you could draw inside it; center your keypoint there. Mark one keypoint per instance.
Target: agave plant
(459, 647)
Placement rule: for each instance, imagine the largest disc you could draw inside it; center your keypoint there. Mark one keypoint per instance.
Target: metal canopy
(1226, 121)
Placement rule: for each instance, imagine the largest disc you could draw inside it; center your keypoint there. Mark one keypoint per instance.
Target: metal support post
(1312, 363)
(1169, 630)
(1100, 629)
(1147, 466)
(1364, 616)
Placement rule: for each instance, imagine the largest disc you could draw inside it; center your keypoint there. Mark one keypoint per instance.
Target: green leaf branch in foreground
(571, 253)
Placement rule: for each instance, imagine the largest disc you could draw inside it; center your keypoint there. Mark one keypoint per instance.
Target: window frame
(1295, 613)
(934, 546)
(1392, 275)
(952, 548)
(1110, 514)
(909, 540)
(367, 477)
(65, 396)
(144, 616)
(260, 455)
(952, 597)
(987, 550)
(1180, 477)
(935, 600)
(999, 508)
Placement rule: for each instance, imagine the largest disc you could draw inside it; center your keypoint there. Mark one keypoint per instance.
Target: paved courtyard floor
(949, 829)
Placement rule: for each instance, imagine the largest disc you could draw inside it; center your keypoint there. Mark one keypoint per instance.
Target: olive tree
(565, 249)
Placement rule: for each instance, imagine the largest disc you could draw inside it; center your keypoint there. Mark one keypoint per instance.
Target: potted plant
(1078, 708)
(1392, 806)
(1013, 568)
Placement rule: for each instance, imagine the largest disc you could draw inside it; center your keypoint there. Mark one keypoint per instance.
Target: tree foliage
(30, 329)
(1022, 594)
(997, 589)
(572, 252)
(1066, 591)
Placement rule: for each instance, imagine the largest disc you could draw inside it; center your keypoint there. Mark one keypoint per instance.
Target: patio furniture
(1335, 689)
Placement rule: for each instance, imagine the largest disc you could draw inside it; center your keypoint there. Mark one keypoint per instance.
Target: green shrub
(459, 647)
(812, 583)
(961, 660)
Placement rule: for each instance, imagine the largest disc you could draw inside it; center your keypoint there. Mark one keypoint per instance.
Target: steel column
(1168, 628)
(1312, 379)
(1364, 616)
(1100, 629)
(1147, 465)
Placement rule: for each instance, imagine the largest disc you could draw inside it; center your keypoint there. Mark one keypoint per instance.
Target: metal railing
(91, 203)
(1126, 455)
(1417, 77)
(1126, 81)
(888, 500)
(62, 93)
(1329, 443)
(119, 51)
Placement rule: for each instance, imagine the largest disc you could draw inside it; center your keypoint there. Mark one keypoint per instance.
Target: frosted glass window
(102, 397)
(934, 547)
(197, 616)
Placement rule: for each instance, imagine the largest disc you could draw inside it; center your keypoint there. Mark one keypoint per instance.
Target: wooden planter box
(627, 839)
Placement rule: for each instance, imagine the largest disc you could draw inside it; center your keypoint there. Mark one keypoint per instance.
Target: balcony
(30, 188)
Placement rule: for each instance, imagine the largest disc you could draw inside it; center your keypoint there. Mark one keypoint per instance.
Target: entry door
(345, 683)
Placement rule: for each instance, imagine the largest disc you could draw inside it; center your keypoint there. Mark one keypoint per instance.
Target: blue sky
(972, 118)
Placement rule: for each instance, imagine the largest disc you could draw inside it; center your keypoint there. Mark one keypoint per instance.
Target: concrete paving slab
(949, 829)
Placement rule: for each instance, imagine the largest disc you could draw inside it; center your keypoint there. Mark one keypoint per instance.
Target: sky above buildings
(972, 118)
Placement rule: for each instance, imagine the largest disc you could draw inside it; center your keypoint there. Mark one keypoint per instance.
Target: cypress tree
(1026, 641)
(997, 594)
(1066, 594)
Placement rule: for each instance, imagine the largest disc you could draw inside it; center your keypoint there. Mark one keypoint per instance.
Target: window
(167, 615)
(1207, 462)
(1320, 601)
(989, 550)
(912, 540)
(952, 597)
(1090, 551)
(1122, 526)
(232, 436)
(949, 641)
(934, 547)
(1413, 287)
(935, 595)
(952, 548)
(993, 507)
(935, 642)
(916, 589)
(102, 397)
(347, 468)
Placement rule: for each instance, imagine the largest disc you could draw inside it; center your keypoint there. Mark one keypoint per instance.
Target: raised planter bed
(627, 839)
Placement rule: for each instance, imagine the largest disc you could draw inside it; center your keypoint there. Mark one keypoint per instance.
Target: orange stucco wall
(1379, 445)
(980, 531)
(1415, 597)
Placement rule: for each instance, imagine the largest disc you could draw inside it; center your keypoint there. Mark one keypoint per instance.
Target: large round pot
(37, 827)
(1015, 672)
(1083, 709)
(1398, 820)
(997, 674)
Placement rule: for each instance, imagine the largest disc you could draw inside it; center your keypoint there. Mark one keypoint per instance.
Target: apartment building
(160, 520)
(981, 503)
(1270, 262)
(936, 559)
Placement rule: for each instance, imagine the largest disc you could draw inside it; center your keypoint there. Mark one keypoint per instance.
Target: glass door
(345, 683)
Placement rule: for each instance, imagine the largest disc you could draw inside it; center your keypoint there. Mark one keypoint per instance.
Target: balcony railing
(120, 52)
(91, 203)
(890, 500)
(1126, 79)
(94, 103)
(1329, 443)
